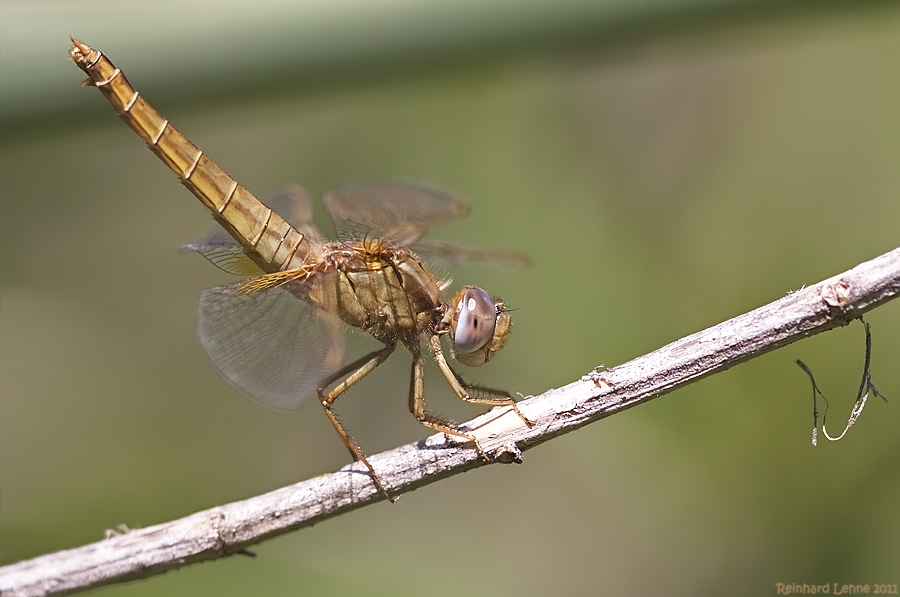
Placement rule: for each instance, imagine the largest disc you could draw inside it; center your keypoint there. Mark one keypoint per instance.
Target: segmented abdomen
(270, 241)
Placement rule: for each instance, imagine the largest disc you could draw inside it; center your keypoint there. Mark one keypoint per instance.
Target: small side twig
(232, 528)
(865, 385)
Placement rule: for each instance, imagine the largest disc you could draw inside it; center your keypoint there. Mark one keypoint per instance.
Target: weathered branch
(230, 529)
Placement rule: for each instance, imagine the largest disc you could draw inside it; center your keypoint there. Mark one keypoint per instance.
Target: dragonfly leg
(498, 397)
(352, 374)
(417, 406)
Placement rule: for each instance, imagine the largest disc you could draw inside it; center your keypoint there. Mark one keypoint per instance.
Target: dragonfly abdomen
(269, 240)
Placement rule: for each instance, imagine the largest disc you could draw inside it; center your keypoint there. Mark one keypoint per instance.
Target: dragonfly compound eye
(474, 320)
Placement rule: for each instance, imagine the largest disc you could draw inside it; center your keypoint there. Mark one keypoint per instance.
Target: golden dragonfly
(276, 336)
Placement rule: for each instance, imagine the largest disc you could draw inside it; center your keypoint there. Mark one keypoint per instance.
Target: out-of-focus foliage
(664, 171)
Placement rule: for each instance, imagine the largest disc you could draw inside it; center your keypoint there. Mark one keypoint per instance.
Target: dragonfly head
(478, 326)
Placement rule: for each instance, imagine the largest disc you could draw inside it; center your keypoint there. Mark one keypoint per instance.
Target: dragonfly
(276, 336)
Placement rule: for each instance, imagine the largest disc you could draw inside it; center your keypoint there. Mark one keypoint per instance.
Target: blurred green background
(667, 165)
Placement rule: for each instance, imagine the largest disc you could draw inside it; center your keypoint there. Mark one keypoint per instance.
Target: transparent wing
(224, 252)
(442, 253)
(294, 206)
(272, 346)
(395, 211)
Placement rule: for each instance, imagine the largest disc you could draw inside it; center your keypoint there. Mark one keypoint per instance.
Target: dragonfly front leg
(352, 374)
(500, 397)
(417, 406)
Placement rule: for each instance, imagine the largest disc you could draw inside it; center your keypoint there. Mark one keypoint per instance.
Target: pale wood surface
(230, 529)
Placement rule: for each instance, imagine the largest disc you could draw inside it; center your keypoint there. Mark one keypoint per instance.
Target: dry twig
(231, 529)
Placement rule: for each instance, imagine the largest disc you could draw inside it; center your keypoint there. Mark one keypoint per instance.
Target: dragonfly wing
(450, 254)
(294, 206)
(227, 254)
(271, 345)
(395, 211)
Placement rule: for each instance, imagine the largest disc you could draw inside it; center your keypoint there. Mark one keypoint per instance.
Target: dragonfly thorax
(385, 292)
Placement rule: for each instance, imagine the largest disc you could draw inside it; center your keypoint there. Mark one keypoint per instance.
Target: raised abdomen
(271, 242)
